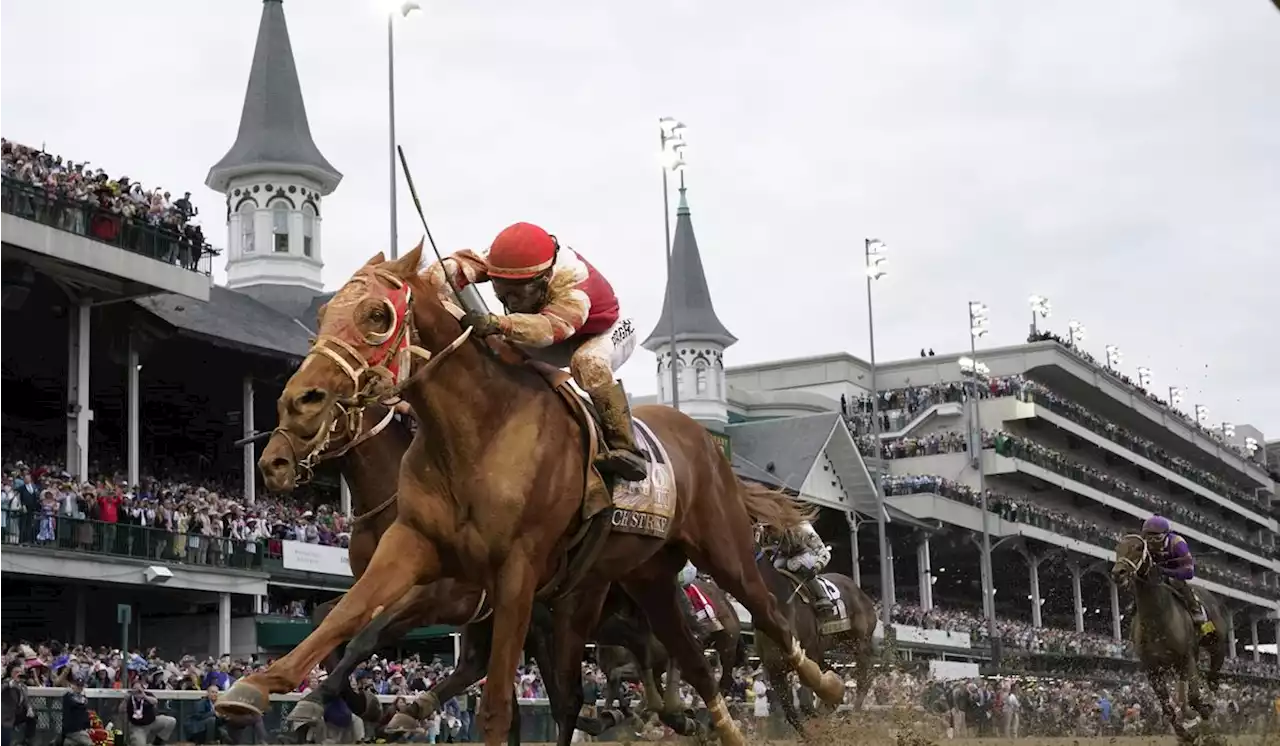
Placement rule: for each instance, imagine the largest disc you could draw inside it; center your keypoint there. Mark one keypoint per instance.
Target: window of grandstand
(700, 372)
(280, 226)
(246, 226)
(308, 227)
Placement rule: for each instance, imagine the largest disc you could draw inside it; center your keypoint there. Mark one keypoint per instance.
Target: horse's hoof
(306, 712)
(591, 726)
(243, 702)
(400, 723)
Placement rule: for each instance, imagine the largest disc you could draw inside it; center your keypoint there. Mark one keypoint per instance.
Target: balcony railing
(104, 226)
(56, 532)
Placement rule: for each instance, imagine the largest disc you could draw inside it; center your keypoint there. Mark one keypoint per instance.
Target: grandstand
(1073, 455)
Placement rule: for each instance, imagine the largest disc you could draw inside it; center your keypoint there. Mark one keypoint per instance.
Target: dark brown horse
(849, 631)
(628, 651)
(493, 491)
(1166, 639)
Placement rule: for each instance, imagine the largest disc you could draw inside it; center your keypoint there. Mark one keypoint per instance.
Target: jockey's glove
(482, 324)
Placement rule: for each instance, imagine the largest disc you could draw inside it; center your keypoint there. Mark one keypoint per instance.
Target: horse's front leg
(512, 604)
(1160, 684)
(403, 558)
(1195, 694)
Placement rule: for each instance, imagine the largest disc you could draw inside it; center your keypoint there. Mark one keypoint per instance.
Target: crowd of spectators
(173, 519)
(76, 197)
(1216, 434)
(1017, 510)
(900, 406)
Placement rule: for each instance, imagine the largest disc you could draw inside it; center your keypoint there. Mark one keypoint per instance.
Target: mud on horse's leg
(402, 558)
(658, 599)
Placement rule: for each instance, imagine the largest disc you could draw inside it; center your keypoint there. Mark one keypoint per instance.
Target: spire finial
(683, 207)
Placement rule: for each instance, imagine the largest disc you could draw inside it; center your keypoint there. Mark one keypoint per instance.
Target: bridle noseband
(390, 363)
(1146, 561)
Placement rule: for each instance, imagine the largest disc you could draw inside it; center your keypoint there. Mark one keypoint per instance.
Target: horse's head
(1134, 559)
(363, 351)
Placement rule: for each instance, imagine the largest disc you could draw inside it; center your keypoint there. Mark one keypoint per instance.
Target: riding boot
(623, 459)
(821, 602)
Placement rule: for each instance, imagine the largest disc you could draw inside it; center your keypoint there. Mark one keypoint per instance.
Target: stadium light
(1075, 333)
(971, 367)
(1228, 431)
(1040, 307)
(979, 319)
(1113, 357)
(875, 266)
(1144, 378)
(1251, 445)
(672, 146)
(876, 262)
(1201, 414)
(1175, 396)
(979, 325)
(404, 9)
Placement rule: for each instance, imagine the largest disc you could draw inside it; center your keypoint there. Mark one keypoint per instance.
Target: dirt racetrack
(848, 735)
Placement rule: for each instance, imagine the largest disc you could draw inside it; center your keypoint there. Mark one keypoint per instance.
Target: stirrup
(624, 464)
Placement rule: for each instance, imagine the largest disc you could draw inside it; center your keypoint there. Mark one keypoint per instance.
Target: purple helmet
(1156, 525)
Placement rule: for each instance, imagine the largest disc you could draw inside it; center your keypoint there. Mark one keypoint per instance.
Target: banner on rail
(304, 557)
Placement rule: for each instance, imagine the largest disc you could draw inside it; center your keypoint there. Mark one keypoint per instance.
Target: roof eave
(658, 338)
(221, 175)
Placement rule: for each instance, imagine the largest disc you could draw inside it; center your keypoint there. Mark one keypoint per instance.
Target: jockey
(806, 554)
(1173, 557)
(561, 311)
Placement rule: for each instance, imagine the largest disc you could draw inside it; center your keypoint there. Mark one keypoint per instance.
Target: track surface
(860, 738)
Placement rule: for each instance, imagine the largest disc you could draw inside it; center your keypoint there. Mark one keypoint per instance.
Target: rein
(1146, 560)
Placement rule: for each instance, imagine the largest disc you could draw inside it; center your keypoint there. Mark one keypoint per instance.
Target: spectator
(146, 725)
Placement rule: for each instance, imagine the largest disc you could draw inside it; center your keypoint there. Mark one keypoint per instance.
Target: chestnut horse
(493, 492)
(369, 463)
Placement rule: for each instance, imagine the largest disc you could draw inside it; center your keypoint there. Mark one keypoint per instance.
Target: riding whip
(471, 301)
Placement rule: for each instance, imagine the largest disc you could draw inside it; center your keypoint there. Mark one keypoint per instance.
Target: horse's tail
(773, 508)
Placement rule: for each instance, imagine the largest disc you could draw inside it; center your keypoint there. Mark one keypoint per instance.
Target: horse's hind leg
(658, 599)
(573, 618)
(730, 559)
(862, 672)
(780, 688)
(1195, 694)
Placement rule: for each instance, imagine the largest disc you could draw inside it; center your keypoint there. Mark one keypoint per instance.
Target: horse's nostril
(279, 462)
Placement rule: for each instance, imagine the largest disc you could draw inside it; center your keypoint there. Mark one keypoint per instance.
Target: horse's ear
(407, 265)
(377, 258)
(320, 315)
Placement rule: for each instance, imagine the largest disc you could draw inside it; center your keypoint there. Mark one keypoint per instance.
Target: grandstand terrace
(1074, 455)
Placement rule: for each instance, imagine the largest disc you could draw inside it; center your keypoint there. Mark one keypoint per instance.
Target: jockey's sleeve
(565, 312)
(465, 267)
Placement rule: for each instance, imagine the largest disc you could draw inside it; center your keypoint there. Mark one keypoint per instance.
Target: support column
(1115, 609)
(1077, 597)
(1231, 635)
(224, 624)
(890, 594)
(81, 614)
(923, 564)
(133, 371)
(1034, 563)
(78, 413)
(1253, 631)
(852, 519)
(457, 651)
(250, 452)
(344, 496)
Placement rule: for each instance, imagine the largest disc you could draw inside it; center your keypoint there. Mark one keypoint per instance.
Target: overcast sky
(1121, 158)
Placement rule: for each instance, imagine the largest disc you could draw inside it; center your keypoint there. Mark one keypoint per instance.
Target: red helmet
(521, 251)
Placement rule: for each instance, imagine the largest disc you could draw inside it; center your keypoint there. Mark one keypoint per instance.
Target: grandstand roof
(232, 318)
(274, 134)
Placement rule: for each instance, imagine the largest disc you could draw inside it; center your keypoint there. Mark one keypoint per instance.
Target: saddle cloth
(837, 620)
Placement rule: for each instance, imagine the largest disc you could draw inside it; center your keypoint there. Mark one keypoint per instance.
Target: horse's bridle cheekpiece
(389, 365)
